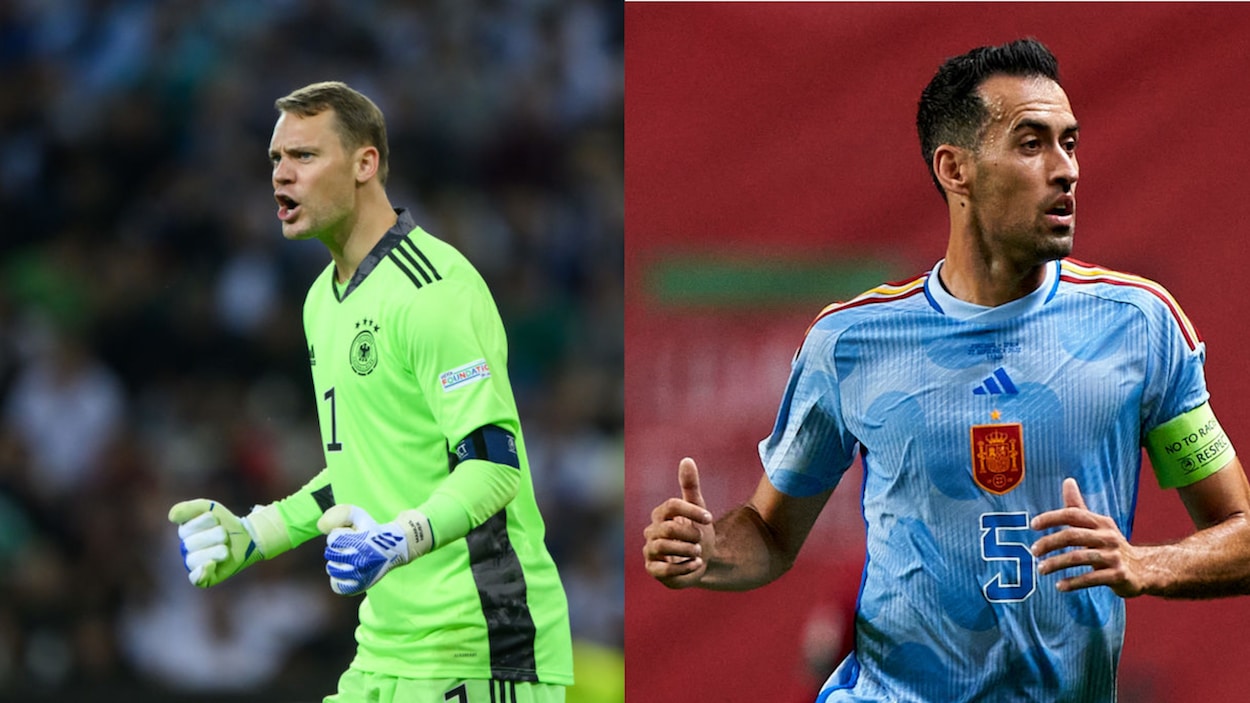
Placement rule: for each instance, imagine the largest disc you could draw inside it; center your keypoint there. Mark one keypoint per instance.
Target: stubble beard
(1056, 245)
(309, 226)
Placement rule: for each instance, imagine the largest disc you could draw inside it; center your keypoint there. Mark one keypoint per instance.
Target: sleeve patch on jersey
(471, 372)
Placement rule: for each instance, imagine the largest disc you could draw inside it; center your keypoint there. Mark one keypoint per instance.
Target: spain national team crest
(364, 352)
(998, 456)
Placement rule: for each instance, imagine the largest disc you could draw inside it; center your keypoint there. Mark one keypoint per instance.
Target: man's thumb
(337, 516)
(688, 477)
(1072, 494)
(186, 510)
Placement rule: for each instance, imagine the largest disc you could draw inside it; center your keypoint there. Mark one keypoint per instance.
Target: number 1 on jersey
(334, 445)
(995, 546)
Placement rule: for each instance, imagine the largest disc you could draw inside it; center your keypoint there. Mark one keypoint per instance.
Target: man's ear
(367, 162)
(954, 169)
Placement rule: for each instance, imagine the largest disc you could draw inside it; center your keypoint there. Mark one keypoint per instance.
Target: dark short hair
(358, 121)
(951, 110)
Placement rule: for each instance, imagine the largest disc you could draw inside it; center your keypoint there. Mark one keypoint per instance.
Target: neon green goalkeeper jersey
(408, 360)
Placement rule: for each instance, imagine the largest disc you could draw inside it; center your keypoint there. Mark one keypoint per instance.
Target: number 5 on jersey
(997, 546)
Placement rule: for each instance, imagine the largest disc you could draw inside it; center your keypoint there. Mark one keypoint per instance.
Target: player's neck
(372, 218)
(976, 275)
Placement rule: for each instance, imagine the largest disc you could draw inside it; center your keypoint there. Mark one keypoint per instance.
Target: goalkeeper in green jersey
(426, 498)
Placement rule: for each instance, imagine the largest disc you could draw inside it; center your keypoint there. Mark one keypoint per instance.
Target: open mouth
(1062, 212)
(287, 207)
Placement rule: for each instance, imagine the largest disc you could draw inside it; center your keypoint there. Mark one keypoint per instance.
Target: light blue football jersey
(968, 419)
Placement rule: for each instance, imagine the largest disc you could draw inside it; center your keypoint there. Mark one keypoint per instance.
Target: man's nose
(1067, 171)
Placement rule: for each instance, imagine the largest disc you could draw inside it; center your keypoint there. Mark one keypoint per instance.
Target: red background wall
(765, 131)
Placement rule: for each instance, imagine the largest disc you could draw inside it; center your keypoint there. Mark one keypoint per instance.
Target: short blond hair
(358, 120)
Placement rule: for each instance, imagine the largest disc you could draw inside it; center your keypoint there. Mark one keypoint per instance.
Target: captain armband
(1188, 448)
(484, 478)
(488, 443)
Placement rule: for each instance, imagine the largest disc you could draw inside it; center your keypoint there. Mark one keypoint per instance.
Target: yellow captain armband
(1188, 448)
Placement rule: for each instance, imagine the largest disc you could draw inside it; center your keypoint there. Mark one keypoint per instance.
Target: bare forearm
(746, 548)
(1211, 563)
(747, 554)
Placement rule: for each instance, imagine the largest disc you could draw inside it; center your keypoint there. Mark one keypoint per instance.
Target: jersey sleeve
(301, 510)
(458, 354)
(810, 447)
(1176, 383)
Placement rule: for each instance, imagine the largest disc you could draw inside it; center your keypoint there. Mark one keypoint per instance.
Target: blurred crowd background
(151, 342)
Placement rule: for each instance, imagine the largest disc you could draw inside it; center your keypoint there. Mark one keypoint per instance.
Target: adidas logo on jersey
(998, 383)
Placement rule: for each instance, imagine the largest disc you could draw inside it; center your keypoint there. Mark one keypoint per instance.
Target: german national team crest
(998, 456)
(363, 355)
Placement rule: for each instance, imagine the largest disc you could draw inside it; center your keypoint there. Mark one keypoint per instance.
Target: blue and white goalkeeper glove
(217, 544)
(359, 551)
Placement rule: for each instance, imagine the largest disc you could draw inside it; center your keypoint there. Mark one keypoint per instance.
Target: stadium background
(151, 345)
(772, 167)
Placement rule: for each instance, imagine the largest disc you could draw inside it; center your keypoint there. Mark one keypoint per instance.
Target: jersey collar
(403, 225)
(942, 301)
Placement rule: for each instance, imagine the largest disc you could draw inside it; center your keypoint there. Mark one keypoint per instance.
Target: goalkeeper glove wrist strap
(448, 519)
(417, 530)
(268, 530)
